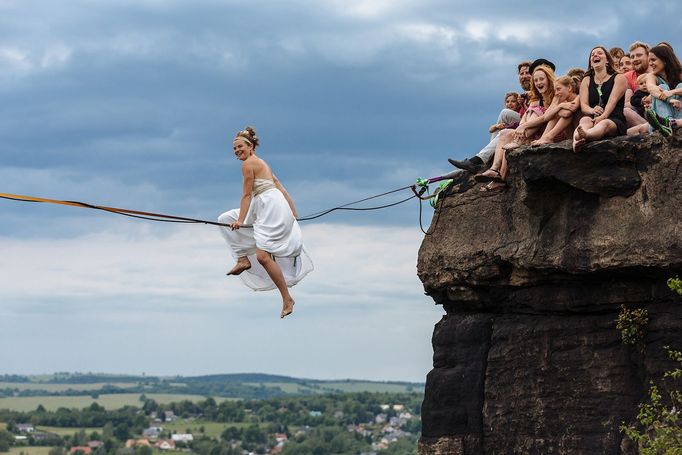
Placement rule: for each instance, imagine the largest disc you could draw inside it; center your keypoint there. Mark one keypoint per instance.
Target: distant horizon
(146, 375)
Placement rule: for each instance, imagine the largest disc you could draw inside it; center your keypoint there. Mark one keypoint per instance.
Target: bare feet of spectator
(579, 138)
(493, 187)
(542, 141)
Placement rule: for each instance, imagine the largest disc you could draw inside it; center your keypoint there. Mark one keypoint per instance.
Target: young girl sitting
(561, 118)
(511, 101)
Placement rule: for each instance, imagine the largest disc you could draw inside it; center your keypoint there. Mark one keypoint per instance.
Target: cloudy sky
(134, 104)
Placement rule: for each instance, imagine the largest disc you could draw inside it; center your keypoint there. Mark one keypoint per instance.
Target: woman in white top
(263, 233)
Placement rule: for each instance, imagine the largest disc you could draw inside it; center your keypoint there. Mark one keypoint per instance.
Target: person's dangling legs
(277, 277)
(240, 241)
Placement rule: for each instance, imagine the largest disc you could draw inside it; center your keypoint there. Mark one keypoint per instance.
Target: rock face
(527, 359)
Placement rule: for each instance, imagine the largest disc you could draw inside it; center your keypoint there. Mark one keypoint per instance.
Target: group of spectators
(635, 93)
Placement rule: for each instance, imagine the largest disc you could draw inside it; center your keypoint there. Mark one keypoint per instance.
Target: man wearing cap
(478, 163)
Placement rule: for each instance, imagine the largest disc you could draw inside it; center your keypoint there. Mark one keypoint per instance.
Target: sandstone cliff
(527, 358)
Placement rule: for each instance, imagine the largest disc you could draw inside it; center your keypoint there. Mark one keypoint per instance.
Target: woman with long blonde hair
(531, 127)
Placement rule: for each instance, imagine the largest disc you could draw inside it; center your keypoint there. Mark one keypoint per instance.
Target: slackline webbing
(422, 183)
(182, 219)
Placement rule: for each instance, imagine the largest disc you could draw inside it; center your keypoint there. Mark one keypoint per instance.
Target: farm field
(356, 386)
(113, 401)
(29, 450)
(211, 429)
(317, 387)
(287, 387)
(61, 387)
(62, 431)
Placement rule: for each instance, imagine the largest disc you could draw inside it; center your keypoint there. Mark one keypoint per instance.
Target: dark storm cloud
(149, 94)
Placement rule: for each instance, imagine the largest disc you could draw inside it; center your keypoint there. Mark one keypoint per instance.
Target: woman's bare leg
(554, 128)
(639, 129)
(633, 118)
(277, 277)
(600, 130)
(504, 169)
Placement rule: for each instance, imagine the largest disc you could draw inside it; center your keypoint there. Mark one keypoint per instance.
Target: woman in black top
(602, 98)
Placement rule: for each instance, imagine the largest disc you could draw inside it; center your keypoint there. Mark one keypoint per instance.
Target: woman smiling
(602, 98)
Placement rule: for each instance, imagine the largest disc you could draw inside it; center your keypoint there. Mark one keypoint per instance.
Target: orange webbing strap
(134, 213)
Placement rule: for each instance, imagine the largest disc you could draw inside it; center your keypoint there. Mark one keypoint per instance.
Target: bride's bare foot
(287, 308)
(242, 265)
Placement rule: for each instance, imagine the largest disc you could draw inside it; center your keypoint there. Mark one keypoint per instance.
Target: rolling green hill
(67, 389)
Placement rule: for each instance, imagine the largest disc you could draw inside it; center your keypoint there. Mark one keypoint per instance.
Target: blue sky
(134, 104)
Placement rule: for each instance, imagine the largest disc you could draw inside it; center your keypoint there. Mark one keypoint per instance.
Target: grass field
(366, 387)
(288, 387)
(61, 431)
(327, 387)
(212, 429)
(113, 401)
(29, 450)
(60, 387)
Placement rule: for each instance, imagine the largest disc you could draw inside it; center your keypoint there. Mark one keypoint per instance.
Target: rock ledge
(527, 358)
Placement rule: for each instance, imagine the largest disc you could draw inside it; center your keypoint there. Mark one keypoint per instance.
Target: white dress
(275, 230)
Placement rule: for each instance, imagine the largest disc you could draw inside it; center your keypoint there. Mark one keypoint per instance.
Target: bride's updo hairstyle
(248, 134)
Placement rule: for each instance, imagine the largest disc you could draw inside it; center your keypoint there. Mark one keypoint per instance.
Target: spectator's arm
(652, 86)
(568, 108)
(584, 97)
(673, 92)
(628, 97)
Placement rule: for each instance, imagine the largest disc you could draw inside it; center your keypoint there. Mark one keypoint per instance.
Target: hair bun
(249, 133)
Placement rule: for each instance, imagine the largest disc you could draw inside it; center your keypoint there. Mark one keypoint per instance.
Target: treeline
(219, 390)
(14, 378)
(253, 386)
(92, 416)
(350, 408)
(106, 389)
(91, 378)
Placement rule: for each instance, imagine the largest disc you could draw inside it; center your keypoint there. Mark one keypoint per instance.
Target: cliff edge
(527, 358)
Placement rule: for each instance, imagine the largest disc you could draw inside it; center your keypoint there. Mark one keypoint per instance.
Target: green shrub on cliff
(660, 423)
(631, 324)
(676, 285)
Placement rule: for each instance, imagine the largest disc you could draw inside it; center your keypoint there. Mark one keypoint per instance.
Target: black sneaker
(473, 165)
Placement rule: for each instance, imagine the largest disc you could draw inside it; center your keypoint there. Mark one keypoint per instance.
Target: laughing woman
(531, 127)
(602, 98)
(263, 233)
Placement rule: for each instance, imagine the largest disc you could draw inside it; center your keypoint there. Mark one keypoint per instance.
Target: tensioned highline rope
(422, 183)
(181, 219)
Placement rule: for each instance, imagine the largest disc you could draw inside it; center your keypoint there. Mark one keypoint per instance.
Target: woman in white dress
(263, 233)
